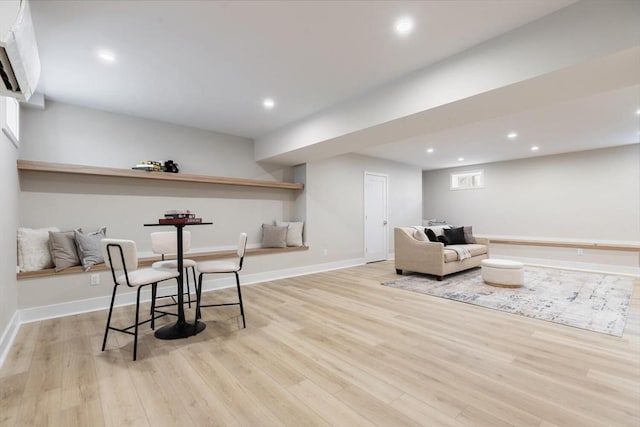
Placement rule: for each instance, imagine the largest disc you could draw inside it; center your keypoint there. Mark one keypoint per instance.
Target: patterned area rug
(597, 302)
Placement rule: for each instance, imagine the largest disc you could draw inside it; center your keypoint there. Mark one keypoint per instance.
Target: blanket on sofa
(461, 250)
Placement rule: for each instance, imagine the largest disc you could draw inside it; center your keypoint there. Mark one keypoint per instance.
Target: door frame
(364, 213)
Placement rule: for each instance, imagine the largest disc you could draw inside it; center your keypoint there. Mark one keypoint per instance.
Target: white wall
(66, 133)
(9, 191)
(69, 134)
(590, 195)
(335, 202)
(332, 200)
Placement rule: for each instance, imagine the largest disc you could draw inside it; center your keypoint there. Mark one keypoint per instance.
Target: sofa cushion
(432, 235)
(443, 239)
(475, 249)
(468, 234)
(455, 236)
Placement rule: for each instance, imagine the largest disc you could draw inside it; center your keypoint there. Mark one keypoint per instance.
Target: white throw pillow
(33, 248)
(419, 235)
(294, 232)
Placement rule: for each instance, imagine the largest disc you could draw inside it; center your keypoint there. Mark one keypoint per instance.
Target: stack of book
(179, 216)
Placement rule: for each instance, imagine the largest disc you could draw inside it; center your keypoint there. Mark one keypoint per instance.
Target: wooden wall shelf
(624, 247)
(29, 165)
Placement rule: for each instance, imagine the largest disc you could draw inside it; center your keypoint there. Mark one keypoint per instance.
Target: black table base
(179, 330)
(182, 328)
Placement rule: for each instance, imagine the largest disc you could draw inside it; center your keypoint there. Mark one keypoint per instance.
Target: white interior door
(376, 228)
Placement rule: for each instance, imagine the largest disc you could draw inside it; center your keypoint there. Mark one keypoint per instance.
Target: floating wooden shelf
(29, 165)
(625, 247)
(146, 262)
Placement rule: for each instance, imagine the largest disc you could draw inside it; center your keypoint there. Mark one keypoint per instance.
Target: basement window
(467, 180)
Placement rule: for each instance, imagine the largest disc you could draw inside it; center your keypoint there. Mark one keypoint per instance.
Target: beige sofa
(433, 257)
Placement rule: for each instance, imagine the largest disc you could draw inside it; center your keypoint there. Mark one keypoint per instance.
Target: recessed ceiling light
(460, 159)
(638, 111)
(403, 26)
(512, 135)
(535, 148)
(429, 150)
(268, 103)
(106, 56)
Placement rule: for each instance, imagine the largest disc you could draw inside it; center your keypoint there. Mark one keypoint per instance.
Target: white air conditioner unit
(19, 60)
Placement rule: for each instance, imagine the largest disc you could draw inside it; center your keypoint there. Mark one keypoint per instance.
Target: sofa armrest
(415, 255)
(482, 241)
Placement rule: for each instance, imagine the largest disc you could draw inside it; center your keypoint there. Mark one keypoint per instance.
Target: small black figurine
(169, 166)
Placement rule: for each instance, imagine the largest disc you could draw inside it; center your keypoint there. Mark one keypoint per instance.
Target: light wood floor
(334, 349)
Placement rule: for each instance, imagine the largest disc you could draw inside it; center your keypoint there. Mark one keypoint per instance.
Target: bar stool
(121, 256)
(165, 243)
(223, 267)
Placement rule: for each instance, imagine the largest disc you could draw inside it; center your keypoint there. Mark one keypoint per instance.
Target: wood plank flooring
(329, 349)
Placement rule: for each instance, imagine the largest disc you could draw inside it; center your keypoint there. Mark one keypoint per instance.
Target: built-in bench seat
(147, 261)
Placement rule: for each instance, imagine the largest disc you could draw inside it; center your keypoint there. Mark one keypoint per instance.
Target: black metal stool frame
(113, 297)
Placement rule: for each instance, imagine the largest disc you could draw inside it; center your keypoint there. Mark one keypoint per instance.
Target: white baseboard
(580, 266)
(250, 279)
(70, 308)
(8, 336)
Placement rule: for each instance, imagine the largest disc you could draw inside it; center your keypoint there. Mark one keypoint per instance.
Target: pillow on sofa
(274, 236)
(63, 249)
(294, 232)
(33, 248)
(431, 235)
(437, 229)
(455, 236)
(443, 239)
(89, 249)
(468, 234)
(419, 235)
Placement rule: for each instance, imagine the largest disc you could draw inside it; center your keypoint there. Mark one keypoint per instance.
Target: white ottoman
(502, 272)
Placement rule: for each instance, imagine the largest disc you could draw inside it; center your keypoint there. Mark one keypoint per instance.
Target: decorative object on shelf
(170, 166)
(148, 165)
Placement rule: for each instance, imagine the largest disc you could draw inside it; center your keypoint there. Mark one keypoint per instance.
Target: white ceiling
(209, 65)
(603, 120)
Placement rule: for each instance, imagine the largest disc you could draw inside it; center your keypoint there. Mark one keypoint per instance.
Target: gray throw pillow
(63, 249)
(89, 249)
(274, 236)
(468, 234)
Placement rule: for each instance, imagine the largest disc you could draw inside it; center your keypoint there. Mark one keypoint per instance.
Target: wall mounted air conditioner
(19, 60)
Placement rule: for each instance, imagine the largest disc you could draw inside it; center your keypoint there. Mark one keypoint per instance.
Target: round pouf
(502, 272)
